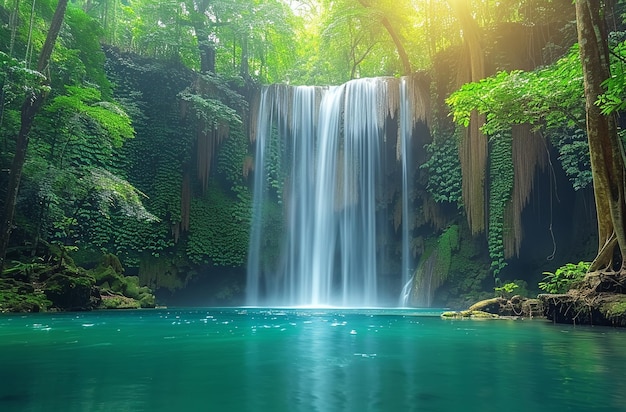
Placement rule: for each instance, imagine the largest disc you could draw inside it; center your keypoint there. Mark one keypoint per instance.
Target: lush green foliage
(468, 276)
(153, 161)
(71, 182)
(343, 39)
(574, 155)
(614, 100)
(507, 289)
(551, 97)
(247, 37)
(312, 42)
(85, 104)
(564, 277)
(168, 120)
(83, 63)
(209, 111)
(15, 78)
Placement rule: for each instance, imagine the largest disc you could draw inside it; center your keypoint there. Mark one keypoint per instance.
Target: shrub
(564, 277)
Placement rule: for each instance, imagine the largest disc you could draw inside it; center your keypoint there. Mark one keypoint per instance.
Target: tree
(404, 58)
(32, 103)
(605, 148)
(551, 98)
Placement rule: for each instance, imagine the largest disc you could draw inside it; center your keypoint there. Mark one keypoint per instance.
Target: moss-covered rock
(18, 296)
(614, 310)
(108, 278)
(34, 287)
(147, 301)
(71, 291)
(119, 291)
(131, 287)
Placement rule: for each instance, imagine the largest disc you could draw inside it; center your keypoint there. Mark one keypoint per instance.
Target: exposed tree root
(600, 299)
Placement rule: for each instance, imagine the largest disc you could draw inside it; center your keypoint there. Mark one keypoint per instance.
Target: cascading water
(404, 136)
(320, 218)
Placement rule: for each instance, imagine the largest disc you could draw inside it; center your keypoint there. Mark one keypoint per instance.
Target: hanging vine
(501, 178)
(529, 156)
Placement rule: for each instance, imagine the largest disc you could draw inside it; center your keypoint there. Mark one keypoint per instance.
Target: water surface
(304, 360)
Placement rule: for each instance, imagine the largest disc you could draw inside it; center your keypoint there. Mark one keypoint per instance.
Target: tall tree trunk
(244, 70)
(32, 103)
(605, 148)
(206, 46)
(207, 55)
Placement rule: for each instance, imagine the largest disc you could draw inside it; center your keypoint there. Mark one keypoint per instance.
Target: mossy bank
(599, 299)
(59, 285)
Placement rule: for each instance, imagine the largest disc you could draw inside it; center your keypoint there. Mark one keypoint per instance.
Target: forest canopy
(301, 42)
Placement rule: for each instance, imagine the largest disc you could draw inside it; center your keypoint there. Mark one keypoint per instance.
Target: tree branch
(404, 57)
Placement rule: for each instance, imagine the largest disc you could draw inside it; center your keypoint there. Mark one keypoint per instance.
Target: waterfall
(323, 182)
(404, 135)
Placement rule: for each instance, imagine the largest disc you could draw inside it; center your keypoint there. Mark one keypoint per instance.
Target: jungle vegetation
(124, 129)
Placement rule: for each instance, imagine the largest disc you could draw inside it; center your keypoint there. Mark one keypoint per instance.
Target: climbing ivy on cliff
(219, 228)
(188, 158)
(501, 177)
(444, 170)
(155, 160)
